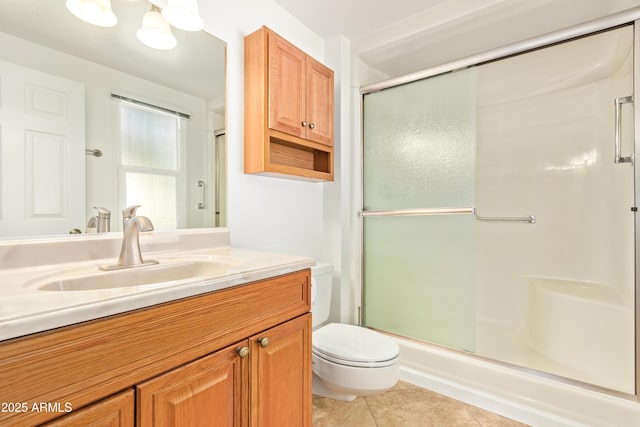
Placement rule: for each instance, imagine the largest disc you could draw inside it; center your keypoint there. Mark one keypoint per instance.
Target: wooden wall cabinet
(288, 110)
(237, 357)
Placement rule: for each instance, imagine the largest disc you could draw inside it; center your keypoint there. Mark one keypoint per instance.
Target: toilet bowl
(348, 361)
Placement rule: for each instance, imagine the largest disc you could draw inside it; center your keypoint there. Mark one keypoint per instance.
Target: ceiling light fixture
(96, 12)
(183, 14)
(155, 31)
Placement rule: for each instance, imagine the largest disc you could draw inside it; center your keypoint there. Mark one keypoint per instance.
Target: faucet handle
(130, 211)
(103, 212)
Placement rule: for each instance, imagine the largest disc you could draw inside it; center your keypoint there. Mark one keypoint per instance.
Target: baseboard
(513, 410)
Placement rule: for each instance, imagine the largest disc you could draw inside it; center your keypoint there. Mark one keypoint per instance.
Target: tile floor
(405, 405)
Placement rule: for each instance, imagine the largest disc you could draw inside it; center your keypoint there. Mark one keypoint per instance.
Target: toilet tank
(321, 284)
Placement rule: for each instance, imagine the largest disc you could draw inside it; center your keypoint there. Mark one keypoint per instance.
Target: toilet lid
(353, 344)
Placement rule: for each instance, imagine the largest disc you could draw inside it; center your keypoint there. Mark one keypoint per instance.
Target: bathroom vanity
(234, 346)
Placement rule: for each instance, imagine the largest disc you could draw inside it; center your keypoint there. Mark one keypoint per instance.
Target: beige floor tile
(411, 408)
(405, 405)
(489, 419)
(337, 413)
(401, 385)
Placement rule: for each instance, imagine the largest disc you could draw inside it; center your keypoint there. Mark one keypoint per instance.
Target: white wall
(263, 212)
(339, 194)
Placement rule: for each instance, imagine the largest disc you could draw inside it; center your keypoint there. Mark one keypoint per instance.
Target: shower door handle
(618, 137)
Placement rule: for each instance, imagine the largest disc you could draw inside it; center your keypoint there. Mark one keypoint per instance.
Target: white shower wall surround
(563, 287)
(556, 296)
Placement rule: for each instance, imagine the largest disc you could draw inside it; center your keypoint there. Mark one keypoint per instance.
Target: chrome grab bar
(201, 186)
(618, 137)
(93, 152)
(530, 219)
(412, 212)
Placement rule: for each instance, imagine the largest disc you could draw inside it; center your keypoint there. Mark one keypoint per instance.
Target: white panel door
(42, 160)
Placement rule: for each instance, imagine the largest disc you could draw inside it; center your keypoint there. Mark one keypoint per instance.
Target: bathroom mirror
(91, 117)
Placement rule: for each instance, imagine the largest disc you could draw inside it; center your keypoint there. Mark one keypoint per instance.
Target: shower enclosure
(499, 209)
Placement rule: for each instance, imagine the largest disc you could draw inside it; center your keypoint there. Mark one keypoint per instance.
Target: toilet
(348, 361)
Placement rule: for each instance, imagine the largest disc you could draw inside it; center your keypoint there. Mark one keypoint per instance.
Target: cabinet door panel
(286, 87)
(319, 102)
(207, 392)
(116, 411)
(281, 375)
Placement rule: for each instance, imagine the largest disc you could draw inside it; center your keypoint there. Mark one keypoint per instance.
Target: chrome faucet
(130, 255)
(101, 222)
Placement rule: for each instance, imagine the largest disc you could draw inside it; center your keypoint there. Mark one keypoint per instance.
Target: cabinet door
(208, 392)
(286, 87)
(281, 375)
(115, 411)
(319, 111)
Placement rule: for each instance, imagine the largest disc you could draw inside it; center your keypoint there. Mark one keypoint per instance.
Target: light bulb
(155, 31)
(96, 12)
(183, 14)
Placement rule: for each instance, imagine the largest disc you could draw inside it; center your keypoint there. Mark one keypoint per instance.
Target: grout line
(474, 417)
(373, 417)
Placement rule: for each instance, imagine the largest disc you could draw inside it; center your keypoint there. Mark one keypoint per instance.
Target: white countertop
(25, 308)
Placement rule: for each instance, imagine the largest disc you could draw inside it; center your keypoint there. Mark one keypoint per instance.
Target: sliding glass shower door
(420, 154)
(499, 210)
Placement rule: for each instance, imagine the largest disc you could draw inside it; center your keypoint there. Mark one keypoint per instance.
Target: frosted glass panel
(419, 146)
(149, 139)
(157, 195)
(419, 274)
(420, 152)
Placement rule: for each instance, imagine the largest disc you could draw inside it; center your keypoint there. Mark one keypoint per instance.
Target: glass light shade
(96, 12)
(156, 32)
(183, 14)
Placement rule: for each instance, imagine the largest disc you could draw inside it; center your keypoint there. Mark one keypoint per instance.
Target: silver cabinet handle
(304, 123)
(618, 137)
(312, 125)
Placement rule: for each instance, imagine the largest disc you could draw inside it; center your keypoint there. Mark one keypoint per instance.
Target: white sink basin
(162, 274)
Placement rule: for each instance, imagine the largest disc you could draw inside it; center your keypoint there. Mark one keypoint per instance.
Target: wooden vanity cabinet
(235, 357)
(116, 411)
(210, 389)
(262, 381)
(288, 110)
(280, 384)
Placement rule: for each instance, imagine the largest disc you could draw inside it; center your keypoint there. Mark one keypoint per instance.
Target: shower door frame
(628, 17)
